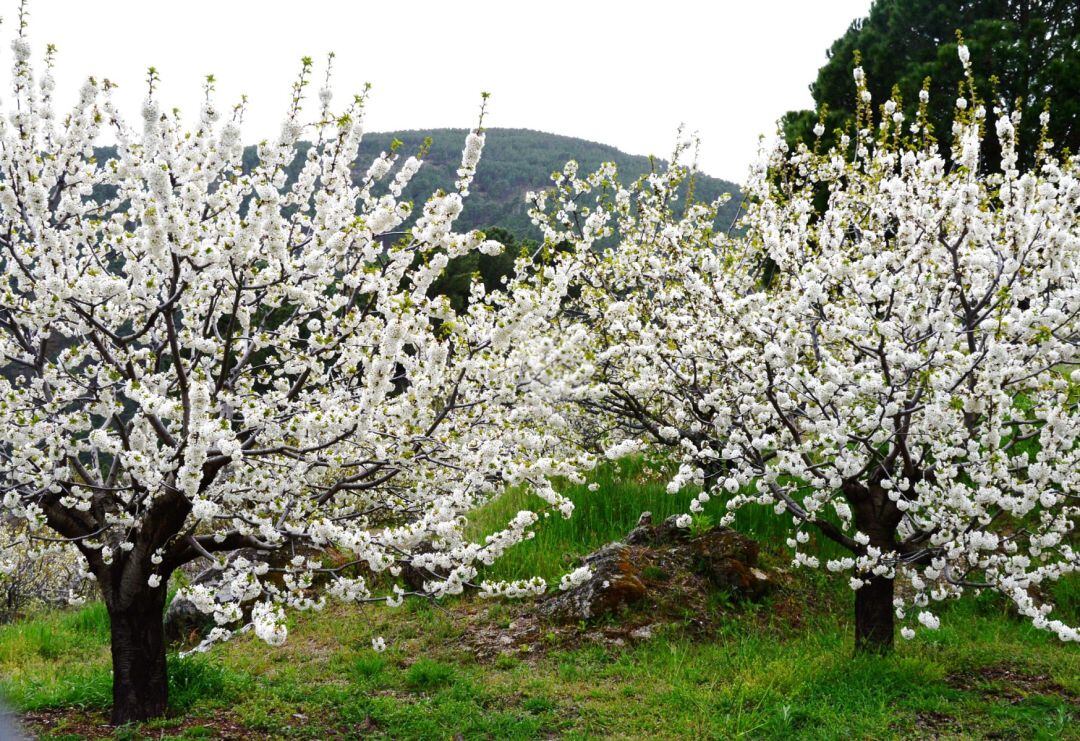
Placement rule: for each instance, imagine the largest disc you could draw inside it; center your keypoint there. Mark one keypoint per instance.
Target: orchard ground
(782, 668)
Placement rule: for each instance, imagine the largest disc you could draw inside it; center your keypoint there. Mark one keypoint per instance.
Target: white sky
(621, 73)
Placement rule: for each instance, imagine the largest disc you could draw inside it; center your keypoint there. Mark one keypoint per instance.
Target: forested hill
(515, 161)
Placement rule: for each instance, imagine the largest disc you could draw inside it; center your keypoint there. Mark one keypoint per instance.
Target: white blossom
(575, 578)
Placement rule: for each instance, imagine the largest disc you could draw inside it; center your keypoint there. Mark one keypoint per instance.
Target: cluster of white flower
(894, 367)
(575, 578)
(517, 589)
(35, 573)
(470, 158)
(268, 623)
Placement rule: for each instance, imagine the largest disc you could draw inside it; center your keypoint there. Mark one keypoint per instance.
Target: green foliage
(77, 687)
(54, 635)
(515, 161)
(367, 666)
(198, 678)
(61, 659)
(1021, 50)
(460, 272)
(983, 674)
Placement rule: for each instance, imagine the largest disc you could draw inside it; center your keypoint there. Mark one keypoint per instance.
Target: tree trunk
(877, 516)
(874, 616)
(140, 677)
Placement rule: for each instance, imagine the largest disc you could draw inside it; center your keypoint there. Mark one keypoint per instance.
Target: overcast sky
(621, 73)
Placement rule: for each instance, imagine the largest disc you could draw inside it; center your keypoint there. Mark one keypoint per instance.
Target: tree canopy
(1022, 51)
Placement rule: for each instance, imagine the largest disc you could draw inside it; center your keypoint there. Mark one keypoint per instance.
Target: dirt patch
(529, 637)
(94, 724)
(930, 724)
(87, 724)
(1012, 685)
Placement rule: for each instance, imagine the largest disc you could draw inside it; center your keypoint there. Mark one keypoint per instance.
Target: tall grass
(54, 634)
(625, 489)
(61, 659)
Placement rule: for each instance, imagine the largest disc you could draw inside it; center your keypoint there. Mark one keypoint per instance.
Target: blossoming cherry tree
(201, 357)
(887, 356)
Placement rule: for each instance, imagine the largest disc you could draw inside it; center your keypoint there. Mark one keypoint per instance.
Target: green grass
(756, 677)
(626, 489)
(54, 635)
(782, 669)
(61, 659)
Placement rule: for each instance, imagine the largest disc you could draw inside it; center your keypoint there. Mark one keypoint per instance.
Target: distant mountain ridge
(515, 161)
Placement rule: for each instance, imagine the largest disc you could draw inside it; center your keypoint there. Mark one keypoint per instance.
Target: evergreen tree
(1022, 51)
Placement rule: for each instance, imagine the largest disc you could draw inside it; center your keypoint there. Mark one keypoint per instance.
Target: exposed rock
(643, 531)
(661, 563)
(615, 581)
(728, 559)
(184, 622)
(648, 534)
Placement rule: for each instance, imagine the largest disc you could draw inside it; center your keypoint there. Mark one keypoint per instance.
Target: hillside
(515, 161)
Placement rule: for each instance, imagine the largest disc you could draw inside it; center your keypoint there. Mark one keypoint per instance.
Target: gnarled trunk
(877, 516)
(140, 676)
(874, 616)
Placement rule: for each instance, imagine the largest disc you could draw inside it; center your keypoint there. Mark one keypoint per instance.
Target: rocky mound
(659, 577)
(659, 565)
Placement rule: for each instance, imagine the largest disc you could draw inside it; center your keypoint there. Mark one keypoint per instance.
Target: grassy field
(778, 669)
